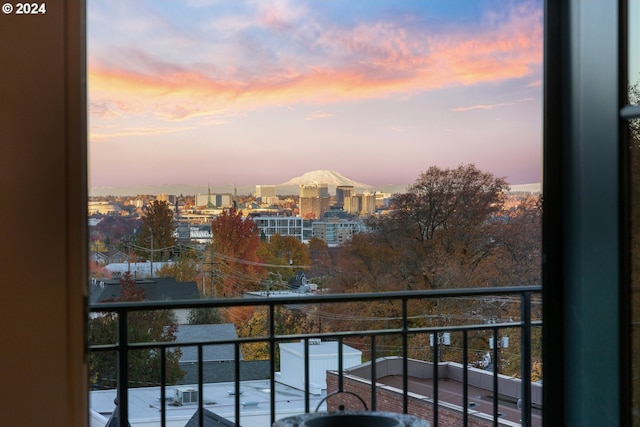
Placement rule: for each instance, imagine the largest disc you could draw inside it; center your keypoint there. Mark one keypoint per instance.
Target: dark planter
(352, 419)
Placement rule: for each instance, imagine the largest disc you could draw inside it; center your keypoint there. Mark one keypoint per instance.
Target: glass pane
(377, 145)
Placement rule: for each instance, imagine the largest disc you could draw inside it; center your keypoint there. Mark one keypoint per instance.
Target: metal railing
(403, 326)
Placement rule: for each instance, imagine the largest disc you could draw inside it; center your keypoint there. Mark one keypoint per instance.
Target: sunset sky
(258, 92)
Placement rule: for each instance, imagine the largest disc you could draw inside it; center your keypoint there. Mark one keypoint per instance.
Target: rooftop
(219, 398)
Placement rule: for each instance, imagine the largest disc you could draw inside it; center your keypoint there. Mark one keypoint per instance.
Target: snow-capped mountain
(330, 177)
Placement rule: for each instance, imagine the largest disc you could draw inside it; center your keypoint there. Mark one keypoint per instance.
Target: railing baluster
(272, 361)
(405, 362)
(306, 376)
(465, 378)
(163, 386)
(200, 387)
(496, 363)
(374, 374)
(340, 367)
(436, 376)
(123, 368)
(237, 381)
(525, 358)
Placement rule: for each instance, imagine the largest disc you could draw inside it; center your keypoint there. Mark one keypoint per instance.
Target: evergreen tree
(143, 327)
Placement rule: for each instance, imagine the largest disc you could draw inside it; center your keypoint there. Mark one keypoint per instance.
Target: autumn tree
(155, 237)
(440, 225)
(286, 322)
(450, 229)
(185, 268)
(320, 258)
(233, 256)
(143, 326)
(286, 251)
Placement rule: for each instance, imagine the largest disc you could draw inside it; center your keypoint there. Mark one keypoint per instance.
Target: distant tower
(210, 205)
(235, 197)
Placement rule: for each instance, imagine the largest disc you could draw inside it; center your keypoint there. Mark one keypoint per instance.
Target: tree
(285, 251)
(234, 254)
(320, 258)
(155, 237)
(449, 230)
(286, 322)
(205, 316)
(442, 224)
(143, 326)
(184, 269)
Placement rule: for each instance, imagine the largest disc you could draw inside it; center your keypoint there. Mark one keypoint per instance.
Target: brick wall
(389, 400)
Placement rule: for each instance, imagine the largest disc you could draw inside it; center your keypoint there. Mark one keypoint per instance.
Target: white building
(217, 200)
(285, 226)
(104, 208)
(336, 231)
(144, 404)
(323, 357)
(265, 191)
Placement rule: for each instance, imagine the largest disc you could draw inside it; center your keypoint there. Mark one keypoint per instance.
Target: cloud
(283, 55)
(98, 134)
(318, 115)
(489, 107)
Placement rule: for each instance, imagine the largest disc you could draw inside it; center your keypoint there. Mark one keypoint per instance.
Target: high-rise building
(212, 201)
(368, 204)
(313, 207)
(353, 204)
(360, 204)
(314, 199)
(315, 189)
(266, 195)
(343, 191)
(265, 191)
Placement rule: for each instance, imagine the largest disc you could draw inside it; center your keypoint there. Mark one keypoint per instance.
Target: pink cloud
(367, 61)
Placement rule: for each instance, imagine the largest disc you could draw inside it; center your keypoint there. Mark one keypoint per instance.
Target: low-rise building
(336, 231)
(389, 383)
(284, 226)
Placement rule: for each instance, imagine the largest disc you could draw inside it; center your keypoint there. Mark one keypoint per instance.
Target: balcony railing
(450, 312)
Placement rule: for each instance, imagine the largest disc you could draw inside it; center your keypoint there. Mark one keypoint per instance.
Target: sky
(261, 91)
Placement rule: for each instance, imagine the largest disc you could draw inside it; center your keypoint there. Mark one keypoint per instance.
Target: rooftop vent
(186, 396)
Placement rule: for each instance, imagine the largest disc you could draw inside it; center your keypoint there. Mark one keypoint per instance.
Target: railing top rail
(315, 299)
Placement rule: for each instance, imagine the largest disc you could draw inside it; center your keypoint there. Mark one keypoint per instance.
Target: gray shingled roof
(209, 420)
(220, 352)
(156, 289)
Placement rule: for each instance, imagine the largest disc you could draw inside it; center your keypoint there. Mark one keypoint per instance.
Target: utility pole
(151, 234)
(211, 268)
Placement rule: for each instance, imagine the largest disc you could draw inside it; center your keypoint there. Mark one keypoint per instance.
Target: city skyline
(256, 92)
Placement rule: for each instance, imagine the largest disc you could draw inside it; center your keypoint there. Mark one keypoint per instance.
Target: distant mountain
(330, 177)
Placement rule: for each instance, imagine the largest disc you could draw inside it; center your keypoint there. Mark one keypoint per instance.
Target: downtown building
(335, 231)
(266, 195)
(343, 191)
(269, 225)
(314, 200)
(360, 204)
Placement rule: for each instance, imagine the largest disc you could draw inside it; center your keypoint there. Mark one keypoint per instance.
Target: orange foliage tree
(234, 252)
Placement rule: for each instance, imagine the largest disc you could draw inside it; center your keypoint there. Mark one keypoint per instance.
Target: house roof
(209, 332)
(209, 419)
(157, 289)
